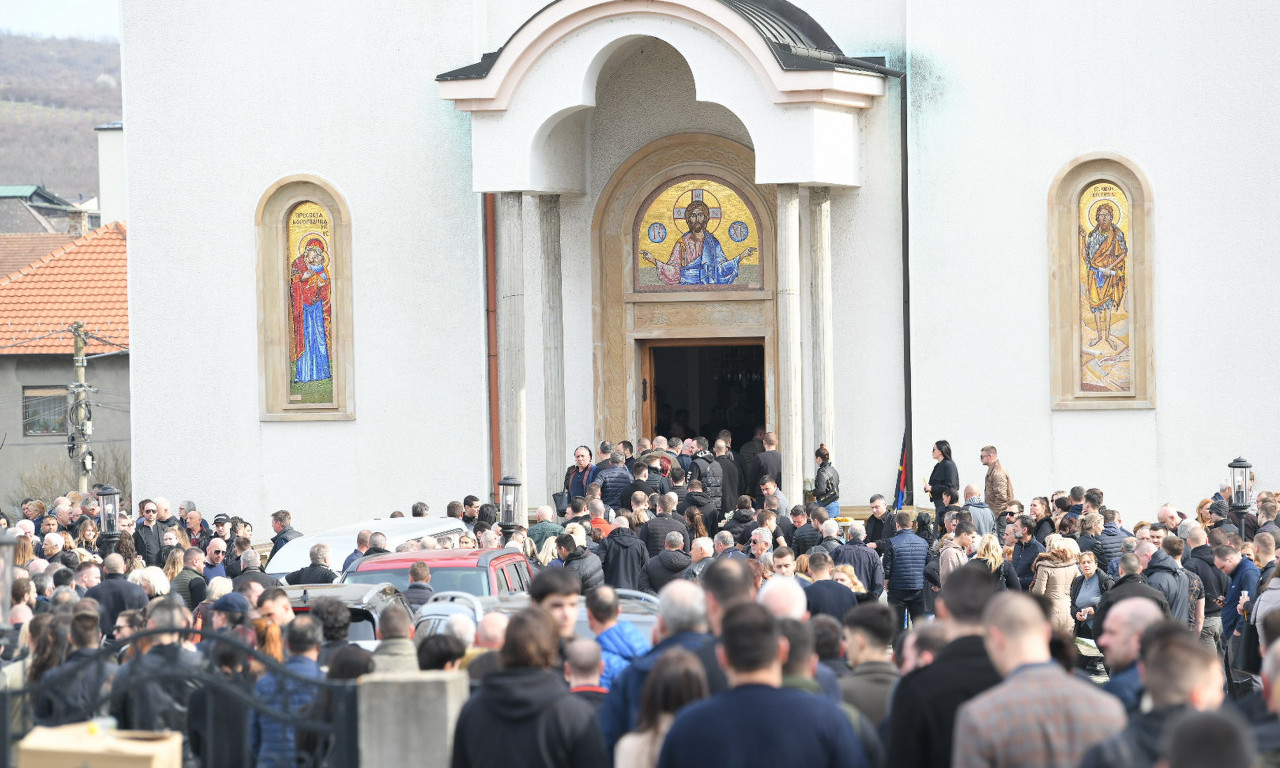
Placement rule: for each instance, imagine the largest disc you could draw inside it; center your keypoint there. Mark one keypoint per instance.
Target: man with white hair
(318, 572)
(784, 597)
(26, 528)
(546, 527)
(724, 545)
(668, 565)
(52, 545)
(682, 623)
(862, 558)
(830, 542)
(702, 552)
(461, 627)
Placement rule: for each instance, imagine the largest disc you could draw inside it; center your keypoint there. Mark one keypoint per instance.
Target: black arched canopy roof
(780, 23)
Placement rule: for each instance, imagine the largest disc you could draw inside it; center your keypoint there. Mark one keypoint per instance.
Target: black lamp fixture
(508, 506)
(1239, 484)
(108, 518)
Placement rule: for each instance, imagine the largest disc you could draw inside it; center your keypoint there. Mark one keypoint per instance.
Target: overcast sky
(86, 19)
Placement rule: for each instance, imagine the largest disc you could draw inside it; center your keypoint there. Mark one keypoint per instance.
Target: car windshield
(473, 581)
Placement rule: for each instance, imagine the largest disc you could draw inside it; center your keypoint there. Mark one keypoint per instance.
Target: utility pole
(79, 425)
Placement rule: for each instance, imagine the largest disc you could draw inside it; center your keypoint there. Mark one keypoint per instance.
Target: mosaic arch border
(1064, 283)
(272, 229)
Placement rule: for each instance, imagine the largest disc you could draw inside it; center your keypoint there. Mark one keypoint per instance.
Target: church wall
(345, 93)
(1002, 100)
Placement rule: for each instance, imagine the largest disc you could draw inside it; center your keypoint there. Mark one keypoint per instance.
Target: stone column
(790, 354)
(553, 340)
(824, 408)
(407, 718)
(511, 384)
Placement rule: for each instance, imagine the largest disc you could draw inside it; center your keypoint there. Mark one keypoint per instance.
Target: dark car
(365, 601)
(480, 572)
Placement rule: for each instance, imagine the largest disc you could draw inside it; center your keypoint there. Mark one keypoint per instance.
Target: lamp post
(1239, 486)
(108, 519)
(508, 506)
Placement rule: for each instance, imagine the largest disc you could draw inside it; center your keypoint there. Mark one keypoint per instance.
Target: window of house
(44, 410)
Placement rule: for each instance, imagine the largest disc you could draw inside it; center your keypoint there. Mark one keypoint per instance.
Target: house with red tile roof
(84, 280)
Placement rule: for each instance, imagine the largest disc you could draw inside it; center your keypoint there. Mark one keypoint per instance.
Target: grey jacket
(1164, 573)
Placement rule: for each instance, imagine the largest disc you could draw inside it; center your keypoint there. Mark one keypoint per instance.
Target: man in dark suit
(767, 462)
(923, 713)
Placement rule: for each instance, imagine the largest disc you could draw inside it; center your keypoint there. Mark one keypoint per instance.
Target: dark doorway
(699, 387)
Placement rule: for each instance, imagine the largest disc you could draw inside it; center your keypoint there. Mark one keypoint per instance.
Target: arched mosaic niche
(305, 313)
(1100, 293)
(697, 233)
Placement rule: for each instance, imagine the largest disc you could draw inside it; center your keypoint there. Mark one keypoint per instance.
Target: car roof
(342, 540)
(442, 558)
(370, 596)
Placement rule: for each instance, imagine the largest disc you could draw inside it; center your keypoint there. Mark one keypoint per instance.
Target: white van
(342, 540)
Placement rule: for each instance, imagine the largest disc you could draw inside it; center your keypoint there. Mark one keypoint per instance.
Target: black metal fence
(251, 711)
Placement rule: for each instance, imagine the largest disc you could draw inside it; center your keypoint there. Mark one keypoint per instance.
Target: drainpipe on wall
(901, 76)
(491, 339)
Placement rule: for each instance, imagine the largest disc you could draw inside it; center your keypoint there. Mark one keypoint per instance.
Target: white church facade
(389, 252)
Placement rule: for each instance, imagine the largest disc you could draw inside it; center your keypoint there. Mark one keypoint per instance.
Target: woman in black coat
(944, 475)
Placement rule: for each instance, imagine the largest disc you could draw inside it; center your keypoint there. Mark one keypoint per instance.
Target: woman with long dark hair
(944, 475)
(677, 679)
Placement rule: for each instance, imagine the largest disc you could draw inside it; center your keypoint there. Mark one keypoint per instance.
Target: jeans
(1211, 633)
(833, 509)
(906, 601)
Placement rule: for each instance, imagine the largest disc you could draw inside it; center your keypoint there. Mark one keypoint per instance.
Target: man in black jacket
(669, 564)
(654, 533)
(622, 555)
(70, 692)
(151, 692)
(148, 535)
(115, 594)
(1130, 584)
(730, 478)
(806, 536)
(1199, 560)
(582, 562)
(281, 523)
(922, 718)
(865, 562)
(318, 572)
(767, 463)
(640, 484)
(707, 470)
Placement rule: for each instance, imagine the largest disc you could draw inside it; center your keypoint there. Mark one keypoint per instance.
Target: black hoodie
(667, 566)
(527, 717)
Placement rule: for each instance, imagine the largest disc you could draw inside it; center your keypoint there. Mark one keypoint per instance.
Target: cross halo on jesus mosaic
(697, 233)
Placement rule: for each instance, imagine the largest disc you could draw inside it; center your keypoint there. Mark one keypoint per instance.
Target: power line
(39, 338)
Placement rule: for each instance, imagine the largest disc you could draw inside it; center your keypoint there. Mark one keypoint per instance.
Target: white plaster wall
(113, 203)
(343, 91)
(1004, 96)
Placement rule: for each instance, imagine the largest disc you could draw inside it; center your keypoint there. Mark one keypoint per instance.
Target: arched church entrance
(686, 332)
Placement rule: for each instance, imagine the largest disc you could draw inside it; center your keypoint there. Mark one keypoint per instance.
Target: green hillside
(52, 94)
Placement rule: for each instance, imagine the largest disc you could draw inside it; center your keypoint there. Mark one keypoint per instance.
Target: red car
(479, 572)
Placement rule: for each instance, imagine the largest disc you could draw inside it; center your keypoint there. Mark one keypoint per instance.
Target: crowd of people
(978, 632)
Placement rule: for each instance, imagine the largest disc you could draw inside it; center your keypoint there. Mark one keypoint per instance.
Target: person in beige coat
(956, 552)
(1054, 571)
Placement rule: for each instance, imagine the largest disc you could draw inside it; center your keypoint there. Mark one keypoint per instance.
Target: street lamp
(108, 518)
(508, 506)
(1239, 485)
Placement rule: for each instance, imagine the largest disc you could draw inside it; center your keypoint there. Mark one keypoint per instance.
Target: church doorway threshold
(692, 387)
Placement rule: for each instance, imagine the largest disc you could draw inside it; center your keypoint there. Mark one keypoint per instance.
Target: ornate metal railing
(218, 712)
